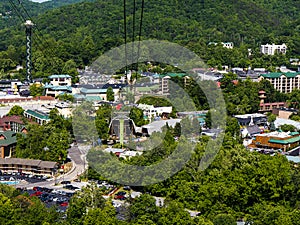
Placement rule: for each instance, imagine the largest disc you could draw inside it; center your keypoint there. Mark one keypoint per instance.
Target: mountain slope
(85, 30)
(12, 10)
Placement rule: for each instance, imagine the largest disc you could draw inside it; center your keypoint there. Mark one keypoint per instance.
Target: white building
(150, 111)
(58, 84)
(228, 45)
(268, 49)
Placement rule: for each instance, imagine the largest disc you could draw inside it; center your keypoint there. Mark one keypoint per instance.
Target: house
(8, 142)
(13, 123)
(268, 49)
(283, 82)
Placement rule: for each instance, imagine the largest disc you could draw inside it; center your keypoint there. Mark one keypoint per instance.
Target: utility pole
(28, 24)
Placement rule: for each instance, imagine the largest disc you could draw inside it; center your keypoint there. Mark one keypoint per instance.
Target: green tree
(36, 90)
(288, 127)
(144, 206)
(16, 110)
(137, 116)
(224, 219)
(110, 96)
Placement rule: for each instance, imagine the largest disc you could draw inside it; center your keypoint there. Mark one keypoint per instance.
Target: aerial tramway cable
(134, 60)
(125, 38)
(140, 34)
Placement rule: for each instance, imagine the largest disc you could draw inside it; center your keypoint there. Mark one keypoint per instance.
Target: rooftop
(59, 76)
(93, 91)
(254, 115)
(37, 114)
(28, 162)
(278, 75)
(9, 138)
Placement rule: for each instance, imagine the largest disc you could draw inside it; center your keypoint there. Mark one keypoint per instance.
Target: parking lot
(15, 177)
(51, 197)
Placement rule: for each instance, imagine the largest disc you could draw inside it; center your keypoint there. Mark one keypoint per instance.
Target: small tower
(28, 25)
(262, 96)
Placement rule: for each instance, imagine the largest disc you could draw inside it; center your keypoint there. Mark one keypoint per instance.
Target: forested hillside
(10, 16)
(81, 32)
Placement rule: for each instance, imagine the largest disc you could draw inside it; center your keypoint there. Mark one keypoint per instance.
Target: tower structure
(28, 25)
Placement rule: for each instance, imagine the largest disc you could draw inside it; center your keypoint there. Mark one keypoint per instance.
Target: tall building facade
(283, 82)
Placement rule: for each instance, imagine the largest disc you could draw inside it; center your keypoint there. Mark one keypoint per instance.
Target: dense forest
(82, 32)
(12, 9)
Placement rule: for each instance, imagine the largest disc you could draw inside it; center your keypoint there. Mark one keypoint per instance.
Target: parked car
(121, 193)
(120, 197)
(65, 182)
(64, 204)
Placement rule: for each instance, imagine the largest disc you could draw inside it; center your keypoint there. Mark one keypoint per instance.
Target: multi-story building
(283, 82)
(268, 49)
(60, 80)
(58, 84)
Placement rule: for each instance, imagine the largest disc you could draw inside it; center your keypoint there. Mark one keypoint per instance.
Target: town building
(164, 81)
(276, 140)
(28, 165)
(268, 49)
(58, 84)
(157, 126)
(283, 82)
(251, 119)
(150, 111)
(37, 116)
(12, 123)
(284, 113)
(8, 142)
(228, 45)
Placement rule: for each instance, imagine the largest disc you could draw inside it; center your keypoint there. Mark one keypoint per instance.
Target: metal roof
(278, 75)
(37, 114)
(285, 141)
(28, 162)
(59, 76)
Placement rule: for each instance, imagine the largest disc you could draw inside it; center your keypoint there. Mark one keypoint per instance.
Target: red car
(37, 193)
(120, 197)
(64, 204)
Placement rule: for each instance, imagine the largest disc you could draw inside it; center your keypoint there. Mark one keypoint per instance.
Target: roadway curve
(77, 156)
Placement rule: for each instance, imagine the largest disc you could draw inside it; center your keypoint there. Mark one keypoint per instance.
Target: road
(78, 158)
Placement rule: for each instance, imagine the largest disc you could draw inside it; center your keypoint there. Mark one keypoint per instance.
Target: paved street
(77, 156)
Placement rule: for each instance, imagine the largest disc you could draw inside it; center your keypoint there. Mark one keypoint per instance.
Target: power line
(140, 33)
(125, 38)
(133, 33)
